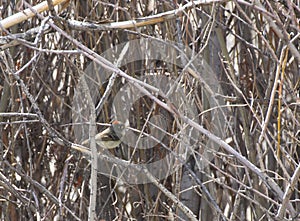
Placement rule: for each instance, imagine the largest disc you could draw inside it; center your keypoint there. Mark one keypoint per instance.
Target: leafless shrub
(244, 140)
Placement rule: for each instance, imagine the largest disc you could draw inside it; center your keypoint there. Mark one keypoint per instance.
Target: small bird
(108, 139)
(111, 137)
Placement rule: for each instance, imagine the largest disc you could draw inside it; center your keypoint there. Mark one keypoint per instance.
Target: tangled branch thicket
(252, 156)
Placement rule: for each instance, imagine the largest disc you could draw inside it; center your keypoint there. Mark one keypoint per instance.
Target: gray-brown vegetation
(235, 64)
